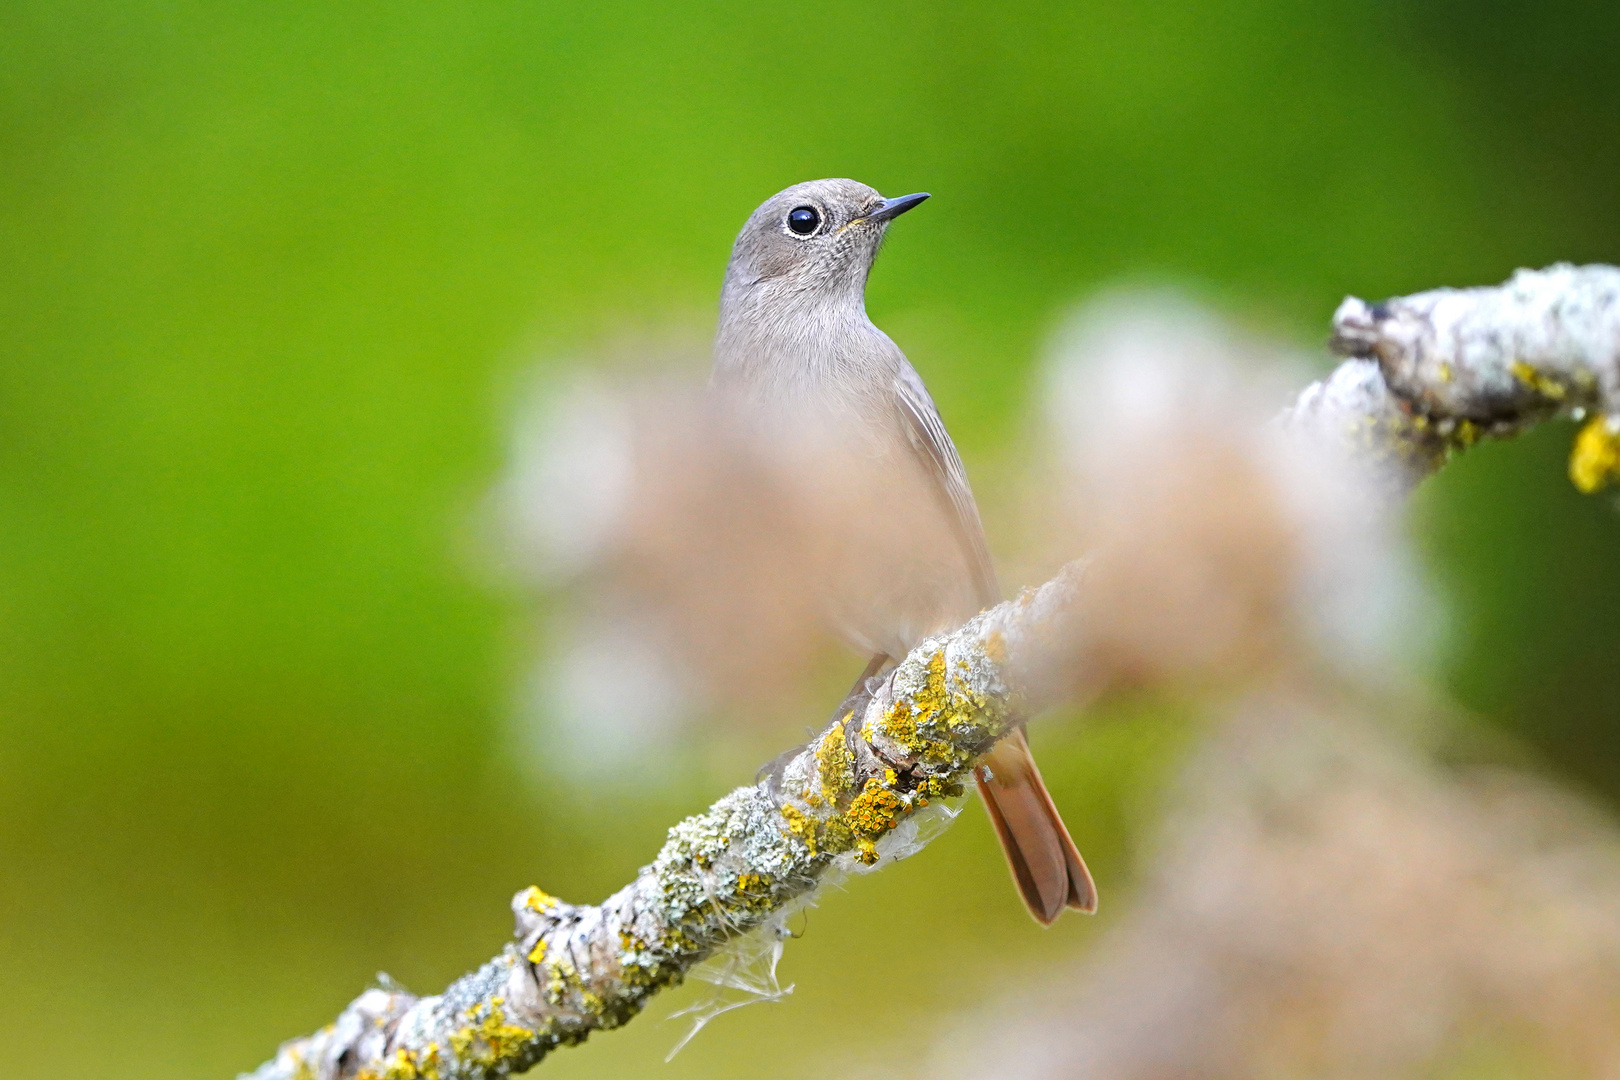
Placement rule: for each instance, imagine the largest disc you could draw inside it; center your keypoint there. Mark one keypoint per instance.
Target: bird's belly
(895, 572)
(888, 565)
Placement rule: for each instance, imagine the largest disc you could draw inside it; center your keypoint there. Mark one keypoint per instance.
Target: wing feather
(933, 442)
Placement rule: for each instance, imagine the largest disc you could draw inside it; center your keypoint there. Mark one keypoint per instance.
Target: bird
(796, 350)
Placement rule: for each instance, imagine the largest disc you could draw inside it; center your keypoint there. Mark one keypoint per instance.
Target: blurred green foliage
(269, 272)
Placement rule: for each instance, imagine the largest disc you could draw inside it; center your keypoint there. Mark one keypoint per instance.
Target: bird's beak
(893, 208)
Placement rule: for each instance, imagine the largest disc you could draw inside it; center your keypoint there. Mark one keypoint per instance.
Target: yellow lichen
(995, 647)
(836, 835)
(499, 1039)
(939, 719)
(538, 953)
(301, 1067)
(1595, 459)
(801, 825)
(753, 893)
(402, 1066)
(559, 973)
(874, 810)
(932, 698)
(900, 723)
(835, 763)
(538, 900)
(639, 965)
(942, 706)
(1544, 385)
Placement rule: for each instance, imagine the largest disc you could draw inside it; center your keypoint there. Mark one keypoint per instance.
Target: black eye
(804, 220)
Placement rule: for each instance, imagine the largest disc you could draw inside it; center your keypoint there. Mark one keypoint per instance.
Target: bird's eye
(804, 220)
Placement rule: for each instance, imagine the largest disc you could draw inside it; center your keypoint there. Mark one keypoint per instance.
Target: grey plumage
(796, 350)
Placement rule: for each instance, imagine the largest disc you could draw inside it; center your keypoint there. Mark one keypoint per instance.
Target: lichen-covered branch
(1435, 372)
(577, 969)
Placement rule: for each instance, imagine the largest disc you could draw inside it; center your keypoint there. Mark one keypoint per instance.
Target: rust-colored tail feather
(1046, 866)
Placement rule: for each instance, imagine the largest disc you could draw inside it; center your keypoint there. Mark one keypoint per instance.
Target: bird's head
(814, 239)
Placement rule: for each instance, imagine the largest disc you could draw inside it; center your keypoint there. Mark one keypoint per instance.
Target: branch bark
(1435, 372)
(1430, 374)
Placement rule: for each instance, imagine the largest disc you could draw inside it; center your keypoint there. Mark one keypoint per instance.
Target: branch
(1437, 371)
(1431, 374)
(574, 970)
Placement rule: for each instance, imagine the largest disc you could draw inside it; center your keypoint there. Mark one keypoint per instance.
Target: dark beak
(893, 208)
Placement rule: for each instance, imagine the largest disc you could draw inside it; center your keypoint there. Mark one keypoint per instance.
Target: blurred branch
(840, 799)
(1432, 374)
(1437, 371)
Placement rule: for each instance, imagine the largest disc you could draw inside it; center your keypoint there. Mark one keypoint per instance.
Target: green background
(269, 274)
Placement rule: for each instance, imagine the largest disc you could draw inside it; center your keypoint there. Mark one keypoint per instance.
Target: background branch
(1435, 372)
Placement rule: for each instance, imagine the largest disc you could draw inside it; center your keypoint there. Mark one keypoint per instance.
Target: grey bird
(795, 347)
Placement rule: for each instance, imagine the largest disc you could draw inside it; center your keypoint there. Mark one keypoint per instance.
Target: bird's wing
(933, 442)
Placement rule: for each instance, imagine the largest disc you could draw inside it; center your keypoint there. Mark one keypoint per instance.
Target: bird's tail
(1046, 866)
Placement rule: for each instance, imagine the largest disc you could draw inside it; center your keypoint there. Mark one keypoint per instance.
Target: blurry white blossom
(568, 482)
(1222, 539)
(681, 559)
